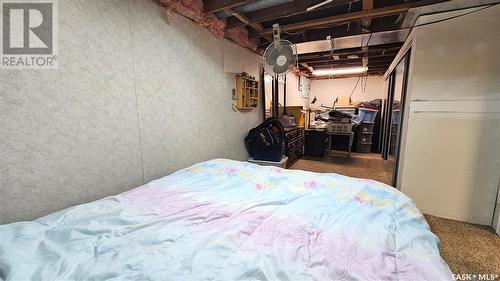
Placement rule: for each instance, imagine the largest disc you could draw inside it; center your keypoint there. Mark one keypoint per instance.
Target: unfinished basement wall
(326, 91)
(293, 95)
(134, 99)
(451, 156)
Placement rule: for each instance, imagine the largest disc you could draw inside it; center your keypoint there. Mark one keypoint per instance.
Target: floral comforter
(229, 220)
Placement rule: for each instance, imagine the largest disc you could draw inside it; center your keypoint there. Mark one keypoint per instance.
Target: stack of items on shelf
(339, 122)
(339, 128)
(246, 92)
(365, 129)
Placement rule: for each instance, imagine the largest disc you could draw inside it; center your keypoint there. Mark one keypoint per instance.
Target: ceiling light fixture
(339, 71)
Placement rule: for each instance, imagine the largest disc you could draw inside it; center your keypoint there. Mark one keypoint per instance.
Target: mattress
(229, 220)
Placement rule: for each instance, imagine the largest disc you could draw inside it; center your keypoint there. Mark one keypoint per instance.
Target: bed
(230, 220)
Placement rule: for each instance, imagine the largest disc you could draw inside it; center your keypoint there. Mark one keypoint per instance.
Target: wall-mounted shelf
(247, 93)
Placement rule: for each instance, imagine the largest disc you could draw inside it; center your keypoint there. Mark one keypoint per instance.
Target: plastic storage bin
(367, 115)
(396, 116)
(366, 127)
(364, 147)
(333, 127)
(365, 137)
(356, 119)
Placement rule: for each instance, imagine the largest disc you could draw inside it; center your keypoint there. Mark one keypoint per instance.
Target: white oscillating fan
(280, 55)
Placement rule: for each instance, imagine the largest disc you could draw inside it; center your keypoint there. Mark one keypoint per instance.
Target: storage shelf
(246, 108)
(247, 93)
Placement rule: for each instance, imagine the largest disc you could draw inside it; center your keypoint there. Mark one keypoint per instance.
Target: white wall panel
(451, 164)
(451, 157)
(72, 135)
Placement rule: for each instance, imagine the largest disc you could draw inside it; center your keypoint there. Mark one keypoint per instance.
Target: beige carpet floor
(360, 165)
(467, 248)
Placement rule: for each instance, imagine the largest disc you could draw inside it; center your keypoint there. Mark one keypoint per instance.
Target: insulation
(193, 9)
(240, 36)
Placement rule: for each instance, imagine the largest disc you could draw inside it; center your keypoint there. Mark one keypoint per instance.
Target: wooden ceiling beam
(214, 6)
(337, 19)
(381, 12)
(256, 26)
(367, 22)
(322, 33)
(285, 10)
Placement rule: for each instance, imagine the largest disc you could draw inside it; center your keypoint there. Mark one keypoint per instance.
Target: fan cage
(270, 68)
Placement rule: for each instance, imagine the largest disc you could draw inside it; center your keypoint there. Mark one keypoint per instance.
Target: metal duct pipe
(355, 41)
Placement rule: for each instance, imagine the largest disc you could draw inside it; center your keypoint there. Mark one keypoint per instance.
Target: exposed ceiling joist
(241, 17)
(381, 12)
(285, 10)
(214, 6)
(337, 19)
(256, 26)
(367, 22)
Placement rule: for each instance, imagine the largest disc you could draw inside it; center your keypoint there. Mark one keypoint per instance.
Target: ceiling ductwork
(389, 37)
(369, 31)
(356, 41)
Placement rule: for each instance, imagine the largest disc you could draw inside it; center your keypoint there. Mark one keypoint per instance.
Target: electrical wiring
(452, 17)
(294, 33)
(364, 79)
(355, 86)
(411, 27)
(422, 24)
(364, 83)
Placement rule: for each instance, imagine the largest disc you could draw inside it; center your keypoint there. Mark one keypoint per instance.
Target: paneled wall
(134, 98)
(451, 157)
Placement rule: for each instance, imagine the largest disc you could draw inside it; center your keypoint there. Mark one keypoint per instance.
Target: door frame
(402, 108)
(388, 109)
(386, 118)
